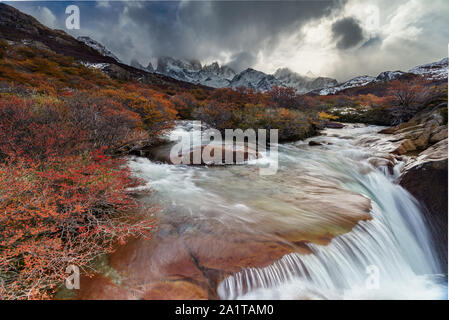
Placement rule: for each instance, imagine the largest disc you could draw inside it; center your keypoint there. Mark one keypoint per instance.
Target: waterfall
(390, 256)
(395, 244)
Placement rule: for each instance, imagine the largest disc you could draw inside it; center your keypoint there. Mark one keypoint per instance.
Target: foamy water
(395, 243)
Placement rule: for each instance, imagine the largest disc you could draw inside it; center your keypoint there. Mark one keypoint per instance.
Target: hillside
(22, 28)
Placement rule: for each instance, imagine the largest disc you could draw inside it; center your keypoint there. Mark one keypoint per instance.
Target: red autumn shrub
(65, 211)
(61, 203)
(29, 130)
(184, 103)
(284, 97)
(409, 92)
(155, 109)
(104, 121)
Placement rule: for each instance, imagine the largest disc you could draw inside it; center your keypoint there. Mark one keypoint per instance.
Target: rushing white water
(396, 246)
(388, 257)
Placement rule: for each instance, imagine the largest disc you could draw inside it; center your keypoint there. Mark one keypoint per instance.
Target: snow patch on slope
(432, 71)
(92, 65)
(355, 82)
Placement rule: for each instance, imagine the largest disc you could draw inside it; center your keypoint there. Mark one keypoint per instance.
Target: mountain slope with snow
(192, 71)
(256, 80)
(98, 47)
(432, 71)
(136, 64)
(390, 75)
(303, 84)
(217, 76)
(355, 82)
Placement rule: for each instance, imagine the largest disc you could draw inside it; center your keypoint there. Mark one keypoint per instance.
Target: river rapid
(330, 224)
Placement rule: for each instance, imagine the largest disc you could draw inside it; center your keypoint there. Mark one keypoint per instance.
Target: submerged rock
(204, 155)
(218, 155)
(188, 260)
(334, 125)
(387, 163)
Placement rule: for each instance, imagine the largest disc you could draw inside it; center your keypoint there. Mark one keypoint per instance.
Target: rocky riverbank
(218, 221)
(424, 141)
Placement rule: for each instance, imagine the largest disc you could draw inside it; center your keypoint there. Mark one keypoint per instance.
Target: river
(330, 224)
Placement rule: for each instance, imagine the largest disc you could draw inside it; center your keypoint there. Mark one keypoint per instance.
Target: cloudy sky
(340, 39)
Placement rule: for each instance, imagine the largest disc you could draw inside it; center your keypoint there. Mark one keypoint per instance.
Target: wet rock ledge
(424, 140)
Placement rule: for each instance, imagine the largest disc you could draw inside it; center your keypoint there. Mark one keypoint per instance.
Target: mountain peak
(303, 84)
(310, 74)
(251, 70)
(432, 71)
(217, 76)
(212, 75)
(255, 79)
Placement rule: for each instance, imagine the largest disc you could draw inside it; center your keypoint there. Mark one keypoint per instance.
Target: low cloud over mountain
(331, 38)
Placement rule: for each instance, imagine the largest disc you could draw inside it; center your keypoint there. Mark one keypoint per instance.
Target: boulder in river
(334, 125)
(219, 155)
(204, 155)
(438, 135)
(405, 146)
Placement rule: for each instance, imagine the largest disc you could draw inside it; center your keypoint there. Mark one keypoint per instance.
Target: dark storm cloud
(347, 32)
(264, 34)
(205, 30)
(241, 61)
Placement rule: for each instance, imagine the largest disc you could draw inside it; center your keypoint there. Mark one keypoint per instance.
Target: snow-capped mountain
(217, 76)
(303, 84)
(98, 47)
(389, 75)
(256, 80)
(136, 64)
(192, 71)
(355, 82)
(432, 71)
(310, 74)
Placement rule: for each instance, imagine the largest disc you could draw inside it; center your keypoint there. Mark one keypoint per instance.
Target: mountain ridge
(217, 76)
(22, 28)
(434, 71)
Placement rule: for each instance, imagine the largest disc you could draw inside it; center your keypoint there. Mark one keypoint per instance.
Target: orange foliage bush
(243, 109)
(66, 211)
(62, 200)
(155, 109)
(408, 93)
